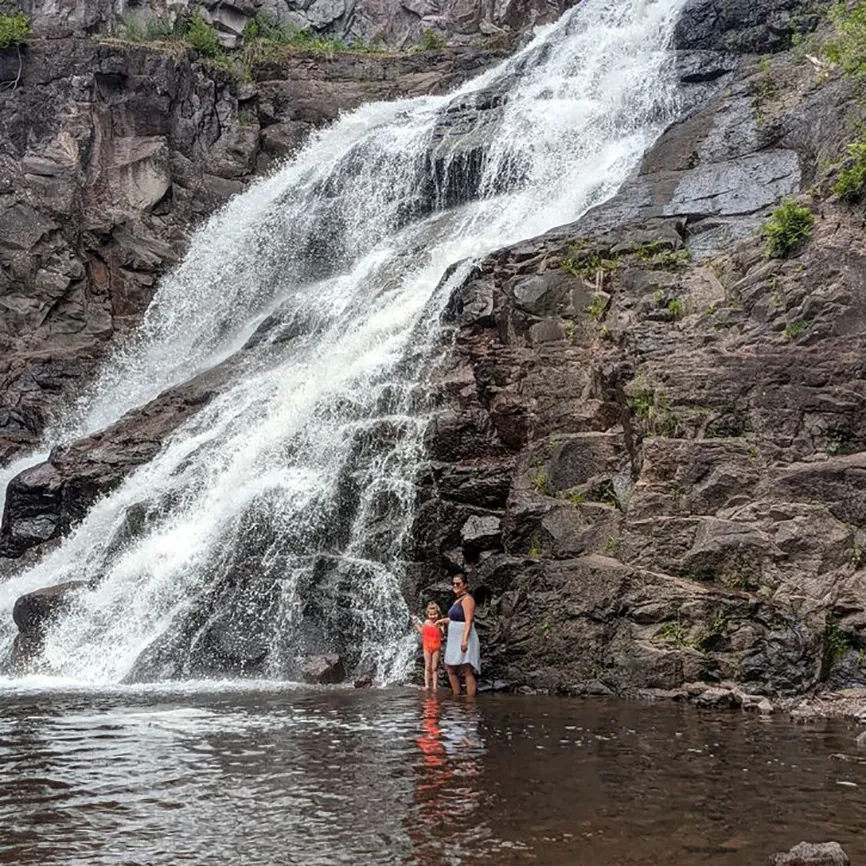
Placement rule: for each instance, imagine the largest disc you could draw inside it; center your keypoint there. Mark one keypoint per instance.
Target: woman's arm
(469, 613)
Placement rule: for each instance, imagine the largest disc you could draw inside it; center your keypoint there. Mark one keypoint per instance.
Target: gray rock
(482, 532)
(323, 669)
(739, 186)
(324, 12)
(809, 854)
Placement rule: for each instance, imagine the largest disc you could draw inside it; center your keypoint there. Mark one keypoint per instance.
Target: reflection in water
(447, 793)
(324, 778)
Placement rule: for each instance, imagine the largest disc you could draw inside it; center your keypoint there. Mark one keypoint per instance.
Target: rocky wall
(111, 154)
(651, 449)
(393, 23)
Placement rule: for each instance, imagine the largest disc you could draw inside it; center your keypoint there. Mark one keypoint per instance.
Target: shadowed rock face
(650, 497)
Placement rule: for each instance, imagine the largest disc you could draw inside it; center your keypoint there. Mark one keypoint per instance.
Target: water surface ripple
(316, 778)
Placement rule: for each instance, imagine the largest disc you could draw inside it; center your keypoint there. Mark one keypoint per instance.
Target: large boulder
(33, 613)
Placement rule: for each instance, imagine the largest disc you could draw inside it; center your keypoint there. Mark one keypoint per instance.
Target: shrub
(850, 186)
(794, 329)
(203, 37)
(431, 40)
(14, 29)
(789, 226)
(848, 49)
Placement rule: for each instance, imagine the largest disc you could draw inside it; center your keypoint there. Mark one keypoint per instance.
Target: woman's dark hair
(463, 575)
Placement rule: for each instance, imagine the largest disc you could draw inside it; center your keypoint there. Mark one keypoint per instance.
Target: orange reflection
(446, 788)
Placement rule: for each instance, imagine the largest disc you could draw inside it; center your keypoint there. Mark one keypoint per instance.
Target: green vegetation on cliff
(263, 38)
(203, 37)
(848, 47)
(14, 29)
(850, 185)
(787, 228)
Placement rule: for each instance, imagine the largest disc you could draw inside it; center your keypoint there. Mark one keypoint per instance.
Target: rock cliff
(649, 448)
(651, 452)
(111, 153)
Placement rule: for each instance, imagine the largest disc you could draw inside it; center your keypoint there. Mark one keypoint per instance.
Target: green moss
(672, 632)
(596, 308)
(14, 29)
(789, 226)
(534, 546)
(653, 410)
(587, 266)
(676, 307)
(658, 255)
(836, 642)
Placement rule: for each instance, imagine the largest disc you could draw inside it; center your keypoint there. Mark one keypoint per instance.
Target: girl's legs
(434, 670)
(427, 661)
(454, 679)
(471, 685)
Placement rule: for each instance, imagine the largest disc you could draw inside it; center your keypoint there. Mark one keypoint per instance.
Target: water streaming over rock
(273, 523)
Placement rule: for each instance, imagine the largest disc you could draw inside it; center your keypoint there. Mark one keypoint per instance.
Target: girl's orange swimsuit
(431, 638)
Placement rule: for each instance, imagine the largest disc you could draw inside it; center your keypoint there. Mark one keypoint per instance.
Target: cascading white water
(272, 524)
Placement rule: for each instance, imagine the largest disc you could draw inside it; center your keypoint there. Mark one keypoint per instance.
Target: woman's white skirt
(454, 656)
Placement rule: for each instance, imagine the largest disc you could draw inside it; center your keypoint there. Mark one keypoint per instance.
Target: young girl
(431, 640)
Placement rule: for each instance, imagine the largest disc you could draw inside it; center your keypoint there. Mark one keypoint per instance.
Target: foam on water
(274, 523)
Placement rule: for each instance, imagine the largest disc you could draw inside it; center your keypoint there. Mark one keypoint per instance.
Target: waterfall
(273, 523)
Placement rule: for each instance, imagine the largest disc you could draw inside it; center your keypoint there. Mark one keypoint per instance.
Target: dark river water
(316, 778)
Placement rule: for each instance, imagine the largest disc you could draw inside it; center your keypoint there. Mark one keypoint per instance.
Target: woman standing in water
(462, 652)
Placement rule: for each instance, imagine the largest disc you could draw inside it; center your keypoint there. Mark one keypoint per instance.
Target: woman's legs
(427, 661)
(434, 670)
(471, 685)
(454, 679)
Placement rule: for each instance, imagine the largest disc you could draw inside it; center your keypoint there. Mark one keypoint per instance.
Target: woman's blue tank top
(456, 613)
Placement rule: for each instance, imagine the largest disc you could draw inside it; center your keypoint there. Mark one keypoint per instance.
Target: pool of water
(315, 778)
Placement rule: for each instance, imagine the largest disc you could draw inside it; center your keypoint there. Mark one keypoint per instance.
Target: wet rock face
(33, 613)
(323, 670)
